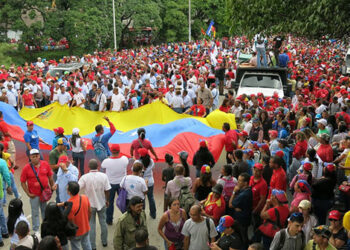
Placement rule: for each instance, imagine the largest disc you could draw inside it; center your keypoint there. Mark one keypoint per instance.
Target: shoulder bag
(46, 192)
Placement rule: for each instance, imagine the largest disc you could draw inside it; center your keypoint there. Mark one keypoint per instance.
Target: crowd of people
(285, 184)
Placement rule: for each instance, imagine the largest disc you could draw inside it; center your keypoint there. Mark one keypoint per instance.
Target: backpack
(186, 199)
(283, 239)
(100, 150)
(228, 188)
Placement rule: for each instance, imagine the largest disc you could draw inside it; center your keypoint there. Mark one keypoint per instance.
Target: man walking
(199, 231)
(116, 167)
(32, 173)
(128, 223)
(66, 173)
(97, 188)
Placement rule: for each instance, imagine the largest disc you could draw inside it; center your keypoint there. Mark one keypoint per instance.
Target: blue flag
(209, 28)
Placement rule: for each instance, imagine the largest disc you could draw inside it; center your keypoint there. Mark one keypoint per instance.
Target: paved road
(155, 239)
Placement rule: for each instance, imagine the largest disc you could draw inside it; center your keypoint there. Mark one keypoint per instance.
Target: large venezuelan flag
(168, 131)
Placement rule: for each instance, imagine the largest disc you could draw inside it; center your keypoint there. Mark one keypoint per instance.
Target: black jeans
(79, 161)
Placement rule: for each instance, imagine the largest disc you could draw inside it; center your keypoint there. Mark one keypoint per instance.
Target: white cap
(323, 122)
(75, 131)
(4, 90)
(34, 151)
(171, 86)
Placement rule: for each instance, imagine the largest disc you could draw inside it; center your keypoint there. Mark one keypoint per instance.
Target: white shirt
(134, 185)
(248, 127)
(187, 101)
(11, 97)
(115, 168)
(77, 148)
(169, 96)
(14, 237)
(78, 98)
(64, 98)
(177, 101)
(95, 184)
(117, 102)
(101, 100)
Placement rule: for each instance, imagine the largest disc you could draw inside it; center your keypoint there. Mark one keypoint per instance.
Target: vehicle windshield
(259, 81)
(347, 61)
(53, 72)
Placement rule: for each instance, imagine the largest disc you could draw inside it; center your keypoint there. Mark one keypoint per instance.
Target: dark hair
(135, 200)
(228, 169)
(98, 128)
(169, 159)
(74, 139)
(54, 218)
(146, 160)
(239, 154)
(296, 217)
(73, 187)
(141, 235)
(312, 155)
(266, 158)
(205, 178)
(226, 126)
(278, 160)
(22, 228)
(15, 210)
(137, 167)
(246, 177)
(48, 243)
(186, 167)
(171, 200)
(179, 169)
(342, 127)
(141, 133)
(93, 164)
(1, 149)
(257, 246)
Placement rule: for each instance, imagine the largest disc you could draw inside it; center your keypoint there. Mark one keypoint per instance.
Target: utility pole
(114, 28)
(189, 20)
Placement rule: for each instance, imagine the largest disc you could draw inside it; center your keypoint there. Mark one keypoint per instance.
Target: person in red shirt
(141, 142)
(225, 106)
(278, 178)
(231, 140)
(298, 153)
(214, 204)
(197, 109)
(31, 172)
(28, 99)
(259, 189)
(277, 204)
(325, 151)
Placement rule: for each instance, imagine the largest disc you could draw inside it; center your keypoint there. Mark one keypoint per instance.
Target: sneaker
(105, 245)
(5, 236)
(1, 244)
(109, 223)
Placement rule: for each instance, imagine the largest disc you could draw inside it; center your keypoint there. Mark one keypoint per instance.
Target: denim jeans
(103, 225)
(110, 210)
(84, 240)
(261, 52)
(35, 204)
(79, 161)
(3, 222)
(151, 202)
(13, 187)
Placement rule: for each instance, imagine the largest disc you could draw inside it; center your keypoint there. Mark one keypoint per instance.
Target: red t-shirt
(198, 110)
(82, 217)
(325, 152)
(136, 145)
(283, 212)
(4, 129)
(28, 99)
(44, 172)
(300, 149)
(230, 136)
(278, 180)
(259, 189)
(225, 109)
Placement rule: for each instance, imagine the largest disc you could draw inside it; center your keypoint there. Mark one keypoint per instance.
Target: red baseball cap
(243, 133)
(30, 123)
(63, 159)
(334, 215)
(203, 144)
(279, 153)
(273, 133)
(114, 148)
(143, 152)
(307, 166)
(249, 116)
(259, 166)
(59, 130)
